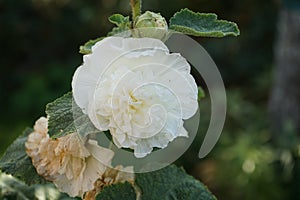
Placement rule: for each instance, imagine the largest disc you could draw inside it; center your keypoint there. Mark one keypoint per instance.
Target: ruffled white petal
(138, 91)
(104, 52)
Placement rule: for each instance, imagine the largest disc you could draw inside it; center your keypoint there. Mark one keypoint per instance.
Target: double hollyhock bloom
(137, 90)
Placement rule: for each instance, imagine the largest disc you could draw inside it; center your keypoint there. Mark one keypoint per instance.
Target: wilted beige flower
(40, 148)
(70, 163)
(118, 174)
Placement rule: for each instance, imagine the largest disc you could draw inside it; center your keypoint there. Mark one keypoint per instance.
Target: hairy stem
(136, 8)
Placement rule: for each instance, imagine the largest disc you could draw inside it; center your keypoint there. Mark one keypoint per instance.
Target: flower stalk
(136, 6)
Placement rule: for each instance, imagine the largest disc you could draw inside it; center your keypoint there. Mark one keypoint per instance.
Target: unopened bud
(151, 25)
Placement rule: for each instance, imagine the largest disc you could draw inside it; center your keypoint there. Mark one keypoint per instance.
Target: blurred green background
(39, 52)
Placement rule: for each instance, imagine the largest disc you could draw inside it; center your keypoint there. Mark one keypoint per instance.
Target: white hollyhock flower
(137, 90)
(72, 165)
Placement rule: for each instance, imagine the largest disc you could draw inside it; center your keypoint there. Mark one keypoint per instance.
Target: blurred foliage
(247, 163)
(11, 188)
(40, 42)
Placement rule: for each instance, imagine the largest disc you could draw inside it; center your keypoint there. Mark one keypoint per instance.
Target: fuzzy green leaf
(66, 117)
(202, 24)
(87, 47)
(16, 162)
(171, 183)
(117, 191)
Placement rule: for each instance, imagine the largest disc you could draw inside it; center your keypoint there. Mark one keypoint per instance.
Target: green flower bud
(151, 25)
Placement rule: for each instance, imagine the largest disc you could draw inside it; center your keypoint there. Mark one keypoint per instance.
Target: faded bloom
(72, 165)
(137, 90)
(118, 174)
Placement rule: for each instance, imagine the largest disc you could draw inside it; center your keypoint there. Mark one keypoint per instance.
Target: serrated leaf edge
(203, 34)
